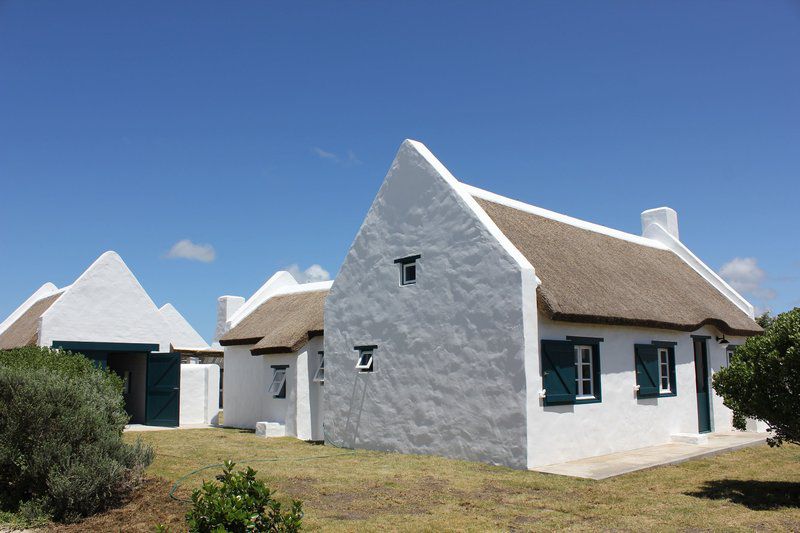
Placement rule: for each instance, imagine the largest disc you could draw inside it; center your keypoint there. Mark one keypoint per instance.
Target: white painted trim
(467, 198)
(656, 232)
(44, 291)
(532, 209)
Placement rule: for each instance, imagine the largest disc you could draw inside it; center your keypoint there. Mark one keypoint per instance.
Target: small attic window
(364, 363)
(408, 269)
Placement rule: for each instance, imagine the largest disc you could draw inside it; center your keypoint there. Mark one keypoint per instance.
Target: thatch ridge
(591, 277)
(24, 331)
(282, 324)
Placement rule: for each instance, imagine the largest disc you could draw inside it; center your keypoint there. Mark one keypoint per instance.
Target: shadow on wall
(755, 495)
(353, 420)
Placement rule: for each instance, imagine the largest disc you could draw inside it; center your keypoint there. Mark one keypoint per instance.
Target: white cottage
(107, 316)
(469, 325)
(274, 361)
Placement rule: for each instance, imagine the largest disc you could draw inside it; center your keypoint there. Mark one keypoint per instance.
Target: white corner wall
(105, 304)
(450, 369)
(247, 401)
(199, 394)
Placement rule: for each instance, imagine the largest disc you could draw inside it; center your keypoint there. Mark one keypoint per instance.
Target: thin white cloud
(744, 275)
(186, 249)
(350, 159)
(326, 155)
(313, 273)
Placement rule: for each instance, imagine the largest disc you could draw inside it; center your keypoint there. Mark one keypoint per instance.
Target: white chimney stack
(226, 307)
(665, 218)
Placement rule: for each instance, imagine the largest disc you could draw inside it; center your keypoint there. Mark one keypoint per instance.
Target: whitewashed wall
(622, 421)
(105, 304)
(449, 373)
(247, 401)
(199, 394)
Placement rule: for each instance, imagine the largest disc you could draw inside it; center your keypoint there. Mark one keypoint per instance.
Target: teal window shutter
(647, 370)
(558, 372)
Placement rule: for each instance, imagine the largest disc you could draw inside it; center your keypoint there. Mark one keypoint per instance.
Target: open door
(163, 389)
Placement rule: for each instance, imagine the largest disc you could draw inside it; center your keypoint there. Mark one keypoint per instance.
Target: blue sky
(264, 129)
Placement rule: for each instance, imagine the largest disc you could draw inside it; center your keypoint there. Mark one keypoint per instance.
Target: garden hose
(271, 460)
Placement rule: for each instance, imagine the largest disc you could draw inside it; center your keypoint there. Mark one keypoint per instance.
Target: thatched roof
(591, 277)
(282, 324)
(25, 329)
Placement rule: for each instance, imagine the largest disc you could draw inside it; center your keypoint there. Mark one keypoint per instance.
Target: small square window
(278, 386)
(319, 377)
(408, 269)
(364, 363)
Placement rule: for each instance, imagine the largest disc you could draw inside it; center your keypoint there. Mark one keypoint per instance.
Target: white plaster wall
(182, 334)
(622, 421)
(199, 394)
(247, 401)
(105, 304)
(449, 373)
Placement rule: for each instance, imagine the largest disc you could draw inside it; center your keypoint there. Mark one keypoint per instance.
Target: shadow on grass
(756, 495)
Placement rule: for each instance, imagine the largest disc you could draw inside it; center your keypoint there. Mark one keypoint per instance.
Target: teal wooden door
(701, 381)
(162, 407)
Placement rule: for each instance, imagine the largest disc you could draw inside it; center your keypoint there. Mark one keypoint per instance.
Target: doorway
(701, 383)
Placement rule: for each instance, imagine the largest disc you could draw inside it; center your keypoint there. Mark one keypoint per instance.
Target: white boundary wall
(199, 394)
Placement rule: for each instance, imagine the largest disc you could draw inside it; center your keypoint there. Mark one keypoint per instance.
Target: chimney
(226, 307)
(664, 217)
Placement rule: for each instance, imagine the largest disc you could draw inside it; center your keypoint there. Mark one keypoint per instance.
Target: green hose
(272, 460)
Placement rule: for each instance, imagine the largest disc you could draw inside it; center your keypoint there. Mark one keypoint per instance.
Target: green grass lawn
(756, 487)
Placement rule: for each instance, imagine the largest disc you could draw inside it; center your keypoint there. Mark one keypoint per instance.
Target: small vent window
(319, 377)
(365, 358)
(277, 388)
(408, 269)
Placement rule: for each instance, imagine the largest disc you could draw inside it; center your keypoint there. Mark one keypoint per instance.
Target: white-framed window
(319, 376)
(584, 373)
(277, 388)
(408, 269)
(364, 363)
(663, 370)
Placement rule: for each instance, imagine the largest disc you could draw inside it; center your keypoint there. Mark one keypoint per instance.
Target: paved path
(615, 464)
(142, 427)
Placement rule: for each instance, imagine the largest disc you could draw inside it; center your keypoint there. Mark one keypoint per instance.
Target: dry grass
(754, 488)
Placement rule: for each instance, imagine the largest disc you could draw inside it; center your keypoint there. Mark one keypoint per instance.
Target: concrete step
(689, 438)
(270, 429)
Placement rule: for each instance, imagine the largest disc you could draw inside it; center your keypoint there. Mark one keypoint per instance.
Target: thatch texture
(282, 324)
(25, 330)
(591, 277)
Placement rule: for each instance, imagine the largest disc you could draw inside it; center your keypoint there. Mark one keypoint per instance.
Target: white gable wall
(450, 366)
(182, 334)
(105, 304)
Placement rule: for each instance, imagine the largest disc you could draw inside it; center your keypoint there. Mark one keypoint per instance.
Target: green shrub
(61, 447)
(239, 503)
(763, 380)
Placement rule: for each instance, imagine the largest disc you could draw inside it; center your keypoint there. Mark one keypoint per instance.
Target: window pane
(587, 372)
(587, 355)
(411, 272)
(587, 386)
(664, 383)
